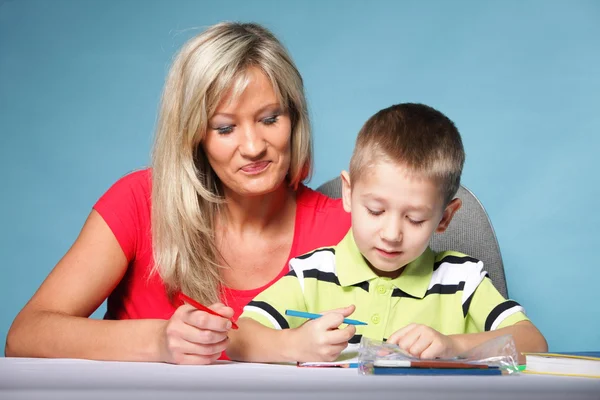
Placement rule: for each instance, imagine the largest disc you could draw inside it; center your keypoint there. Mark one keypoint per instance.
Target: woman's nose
(252, 143)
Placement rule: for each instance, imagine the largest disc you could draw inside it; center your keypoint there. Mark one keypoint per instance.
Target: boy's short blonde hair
(415, 136)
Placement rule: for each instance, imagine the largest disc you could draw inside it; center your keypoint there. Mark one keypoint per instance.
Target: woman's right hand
(192, 336)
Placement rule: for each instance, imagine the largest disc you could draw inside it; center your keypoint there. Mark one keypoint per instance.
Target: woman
(217, 217)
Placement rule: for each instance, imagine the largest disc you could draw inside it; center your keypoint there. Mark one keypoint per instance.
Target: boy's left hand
(424, 342)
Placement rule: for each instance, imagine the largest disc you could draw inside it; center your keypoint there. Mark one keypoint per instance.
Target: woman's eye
(270, 120)
(222, 130)
(374, 212)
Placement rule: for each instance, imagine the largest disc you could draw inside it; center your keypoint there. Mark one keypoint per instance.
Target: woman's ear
(449, 212)
(346, 191)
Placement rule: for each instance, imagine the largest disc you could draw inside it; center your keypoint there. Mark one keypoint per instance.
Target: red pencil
(199, 306)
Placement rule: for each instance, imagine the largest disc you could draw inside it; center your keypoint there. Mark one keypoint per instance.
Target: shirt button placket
(375, 318)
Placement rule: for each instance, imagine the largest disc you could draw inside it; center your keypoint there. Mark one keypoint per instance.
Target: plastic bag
(497, 356)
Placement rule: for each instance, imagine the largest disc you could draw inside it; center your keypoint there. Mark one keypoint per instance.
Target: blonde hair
(186, 194)
(415, 136)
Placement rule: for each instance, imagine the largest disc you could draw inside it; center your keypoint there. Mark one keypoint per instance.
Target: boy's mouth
(388, 253)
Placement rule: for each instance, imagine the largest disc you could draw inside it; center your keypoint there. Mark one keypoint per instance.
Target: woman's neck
(257, 213)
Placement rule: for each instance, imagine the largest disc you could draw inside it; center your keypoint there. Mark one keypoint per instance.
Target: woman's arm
(55, 323)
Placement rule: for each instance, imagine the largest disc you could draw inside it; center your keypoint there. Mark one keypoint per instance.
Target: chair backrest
(470, 232)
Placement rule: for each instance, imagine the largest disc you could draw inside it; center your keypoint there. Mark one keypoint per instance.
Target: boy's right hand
(320, 339)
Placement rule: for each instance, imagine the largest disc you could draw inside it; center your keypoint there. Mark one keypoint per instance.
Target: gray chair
(470, 232)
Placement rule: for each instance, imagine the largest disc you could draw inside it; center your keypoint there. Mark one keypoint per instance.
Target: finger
(192, 334)
(328, 321)
(336, 350)
(204, 320)
(222, 309)
(422, 343)
(436, 349)
(181, 346)
(400, 333)
(409, 339)
(194, 359)
(341, 336)
(345, 311)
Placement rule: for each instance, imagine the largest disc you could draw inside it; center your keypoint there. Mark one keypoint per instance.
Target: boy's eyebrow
(372, 196)
(420, 208)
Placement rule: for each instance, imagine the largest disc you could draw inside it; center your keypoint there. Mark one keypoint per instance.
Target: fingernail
(228, 326)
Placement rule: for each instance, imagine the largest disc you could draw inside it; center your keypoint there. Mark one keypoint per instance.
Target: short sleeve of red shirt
(125, 207)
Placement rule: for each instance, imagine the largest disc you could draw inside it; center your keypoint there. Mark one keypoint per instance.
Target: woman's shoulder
(139, 178)
(321, 221)
(310, 198)
(130, 192)
(133, 184)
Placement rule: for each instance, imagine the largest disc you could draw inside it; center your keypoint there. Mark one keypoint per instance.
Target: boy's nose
(392, 230)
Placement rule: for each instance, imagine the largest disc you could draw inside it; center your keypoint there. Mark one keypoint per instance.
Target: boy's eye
(271, 120)
(415, 223)
(223, 130)
(374, 212)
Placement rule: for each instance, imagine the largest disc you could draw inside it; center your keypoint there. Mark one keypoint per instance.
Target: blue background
(80, 83)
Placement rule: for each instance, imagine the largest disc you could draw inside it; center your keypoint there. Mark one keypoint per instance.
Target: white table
(23, 378)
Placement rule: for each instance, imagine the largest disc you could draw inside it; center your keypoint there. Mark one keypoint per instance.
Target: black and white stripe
(269, 312)
(500, 313)
(322, 276)
(318, 264)
(453, 273)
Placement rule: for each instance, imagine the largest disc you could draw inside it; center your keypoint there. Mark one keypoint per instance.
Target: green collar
(352, 268)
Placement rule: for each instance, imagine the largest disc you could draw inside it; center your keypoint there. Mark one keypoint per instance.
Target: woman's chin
(260, 187)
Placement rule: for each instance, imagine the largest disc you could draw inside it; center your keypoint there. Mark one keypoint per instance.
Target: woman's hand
(192, 336)
(320, 339)
(424, 342)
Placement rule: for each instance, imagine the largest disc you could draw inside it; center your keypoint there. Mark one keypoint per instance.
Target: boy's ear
(449, 212)
(346, 192)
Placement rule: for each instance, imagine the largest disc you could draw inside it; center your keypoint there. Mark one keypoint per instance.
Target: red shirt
(125, 207)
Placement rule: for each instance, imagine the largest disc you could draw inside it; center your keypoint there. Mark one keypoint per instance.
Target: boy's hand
(320, 339)
(424, 342)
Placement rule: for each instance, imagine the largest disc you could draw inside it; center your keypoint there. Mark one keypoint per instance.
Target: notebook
(585, 364)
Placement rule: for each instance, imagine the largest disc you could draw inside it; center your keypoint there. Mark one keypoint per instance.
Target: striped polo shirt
(448, 291)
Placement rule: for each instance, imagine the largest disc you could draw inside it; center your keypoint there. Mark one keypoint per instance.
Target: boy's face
(394, 215)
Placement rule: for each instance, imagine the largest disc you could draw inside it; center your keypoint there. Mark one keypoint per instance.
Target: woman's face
(248, 142)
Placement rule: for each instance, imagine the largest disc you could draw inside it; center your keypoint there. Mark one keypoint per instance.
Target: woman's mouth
(255, 168)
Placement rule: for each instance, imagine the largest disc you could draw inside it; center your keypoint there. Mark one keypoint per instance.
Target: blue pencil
(302, 314)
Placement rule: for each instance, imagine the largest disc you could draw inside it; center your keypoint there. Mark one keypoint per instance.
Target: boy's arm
(315, 340)
(491, 315)
(266, 334)
(254, 342)
(528, 339)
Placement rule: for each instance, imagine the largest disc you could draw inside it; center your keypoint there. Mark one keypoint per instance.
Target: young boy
(404, 174)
